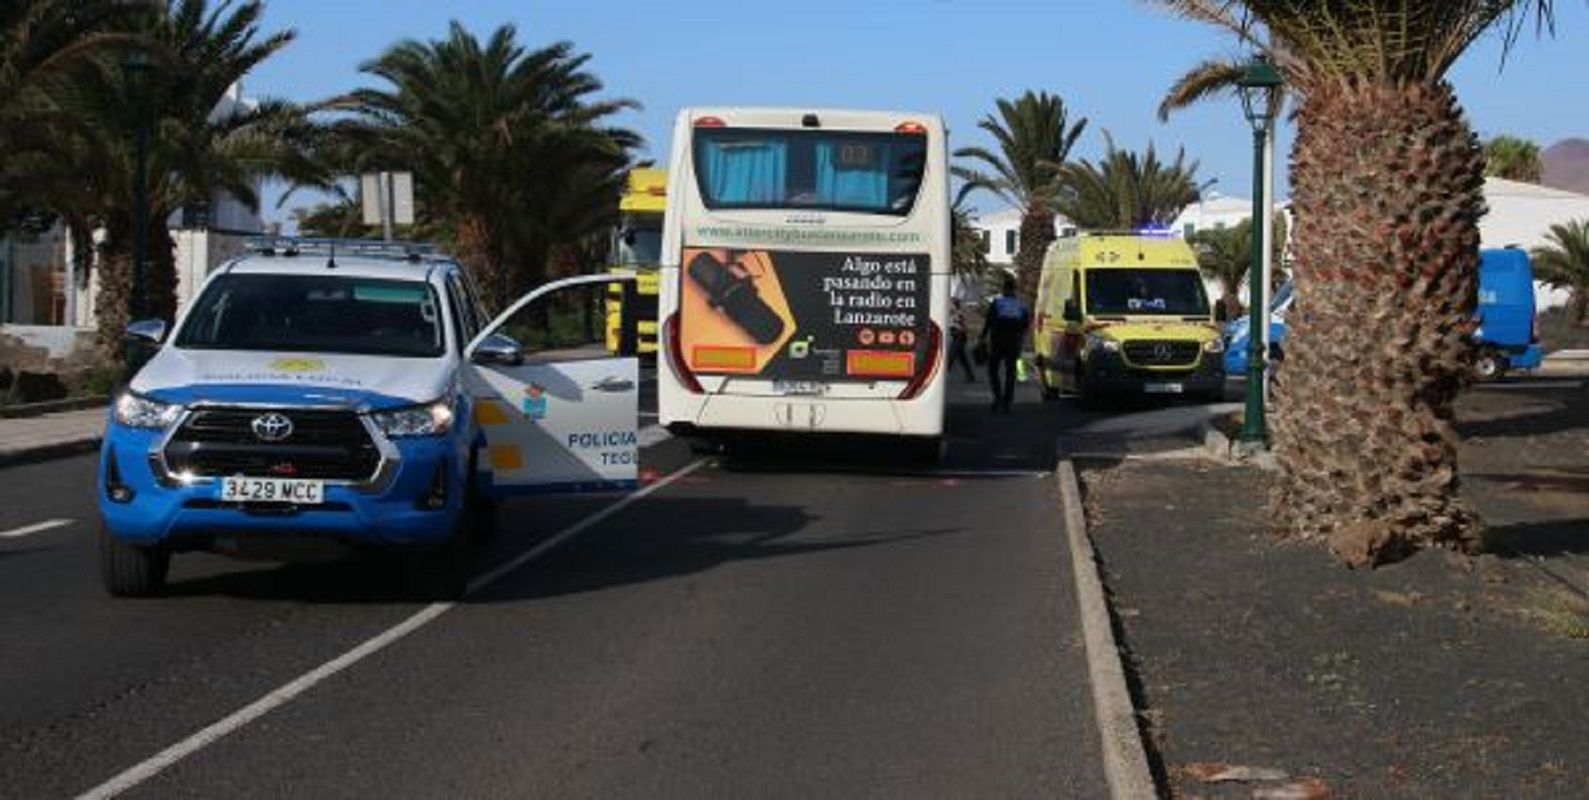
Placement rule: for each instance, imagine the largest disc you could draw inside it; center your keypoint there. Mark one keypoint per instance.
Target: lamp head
(1258, 85)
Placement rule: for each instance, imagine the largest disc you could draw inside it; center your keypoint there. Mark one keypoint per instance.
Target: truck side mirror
(1072, 311)
(497, 350)
(142, 341)
(150, 331)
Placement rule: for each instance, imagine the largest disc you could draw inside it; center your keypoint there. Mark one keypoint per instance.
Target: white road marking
(143, 771)
(37, 527)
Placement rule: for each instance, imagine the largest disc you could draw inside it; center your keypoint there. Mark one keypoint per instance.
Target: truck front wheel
(129, 571)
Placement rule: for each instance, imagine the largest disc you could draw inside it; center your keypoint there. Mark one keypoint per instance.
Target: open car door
(557, 402)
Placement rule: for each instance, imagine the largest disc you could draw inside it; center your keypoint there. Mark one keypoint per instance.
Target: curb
(1125, 761)
(22, 410)
(33, 455)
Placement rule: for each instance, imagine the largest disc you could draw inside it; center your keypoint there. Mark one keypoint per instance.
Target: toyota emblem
(1161, 351)
(272, 427)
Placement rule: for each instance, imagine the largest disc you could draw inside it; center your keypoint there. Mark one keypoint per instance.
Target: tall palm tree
(1125, 190)
(1513, 158)
(1034, 137)
(40, 40)
(507, 145)
(200, 145)
(1387, 180)
(1564, 264)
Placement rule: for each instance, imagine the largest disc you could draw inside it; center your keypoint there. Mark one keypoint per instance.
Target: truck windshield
(1157, 292)
(319, 314)
(640, 244)
(816, 170)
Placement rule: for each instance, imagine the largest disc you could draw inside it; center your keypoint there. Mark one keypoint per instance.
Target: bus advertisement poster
(805, 316)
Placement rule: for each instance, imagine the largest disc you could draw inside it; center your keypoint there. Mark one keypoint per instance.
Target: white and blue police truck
(355, 393)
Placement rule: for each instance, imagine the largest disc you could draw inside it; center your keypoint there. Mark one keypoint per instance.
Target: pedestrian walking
(957, 340)
(1004, 332)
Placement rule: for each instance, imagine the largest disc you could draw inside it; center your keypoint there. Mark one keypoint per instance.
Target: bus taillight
(930, 367)
(915, 128)
(681, 370)
(709, 122)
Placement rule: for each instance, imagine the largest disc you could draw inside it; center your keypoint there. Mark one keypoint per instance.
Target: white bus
(805, 274)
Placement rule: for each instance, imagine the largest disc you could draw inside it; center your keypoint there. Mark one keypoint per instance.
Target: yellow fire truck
(637, 250)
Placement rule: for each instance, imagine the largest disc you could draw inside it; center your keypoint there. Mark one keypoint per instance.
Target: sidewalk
(1436, 677)
(26, 439)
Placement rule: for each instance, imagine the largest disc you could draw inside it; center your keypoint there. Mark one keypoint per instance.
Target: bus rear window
(813, 170)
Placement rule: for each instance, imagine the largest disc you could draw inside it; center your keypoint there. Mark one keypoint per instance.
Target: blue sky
(1110, 59)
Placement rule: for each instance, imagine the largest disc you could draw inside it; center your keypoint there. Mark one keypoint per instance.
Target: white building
(38, 291)
(1001, 234)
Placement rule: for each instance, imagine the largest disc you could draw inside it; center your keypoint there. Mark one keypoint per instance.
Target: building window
(984, 241)
(1009, 242)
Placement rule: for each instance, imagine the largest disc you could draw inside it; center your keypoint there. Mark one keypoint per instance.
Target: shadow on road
(667, 537)
(1539, 538)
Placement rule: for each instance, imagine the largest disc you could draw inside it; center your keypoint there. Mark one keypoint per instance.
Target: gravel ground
(1437, 677)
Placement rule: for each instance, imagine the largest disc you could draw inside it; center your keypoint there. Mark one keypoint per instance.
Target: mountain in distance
(1567, 165)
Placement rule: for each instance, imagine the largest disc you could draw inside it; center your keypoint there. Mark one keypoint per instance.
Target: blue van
(1508, 334)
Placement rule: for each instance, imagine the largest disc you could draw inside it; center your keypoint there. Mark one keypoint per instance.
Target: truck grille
(1162, 354)
(323, 445)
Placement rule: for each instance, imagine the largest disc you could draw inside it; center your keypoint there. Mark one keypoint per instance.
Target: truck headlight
(429, 419)
(137, 411)
(1102, 344)
(1215, 345)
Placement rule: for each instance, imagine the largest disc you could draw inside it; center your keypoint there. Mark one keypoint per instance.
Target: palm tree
(1564, 264)
(968, 257)
(1127, 191)
(1225, 254)
(196, 149)
(1387, 180)
(1034, 138)
(1513, 158)
(506, 144)
(39, 41)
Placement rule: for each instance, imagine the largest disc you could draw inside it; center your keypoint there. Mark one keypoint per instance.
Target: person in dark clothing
(1004, 332)
(957, 340)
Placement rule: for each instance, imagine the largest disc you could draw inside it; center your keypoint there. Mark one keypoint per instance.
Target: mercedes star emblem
(1161, 351)
(272, 427)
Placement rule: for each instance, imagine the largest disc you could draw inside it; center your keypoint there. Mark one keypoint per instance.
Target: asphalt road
(767, 625)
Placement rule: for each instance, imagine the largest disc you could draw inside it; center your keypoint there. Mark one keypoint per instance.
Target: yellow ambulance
(1125, 314)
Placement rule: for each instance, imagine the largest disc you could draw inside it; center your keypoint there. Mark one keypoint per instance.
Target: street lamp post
(1258, 87)
(136, 65)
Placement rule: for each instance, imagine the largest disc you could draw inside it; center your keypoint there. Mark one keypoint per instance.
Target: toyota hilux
(355, 393)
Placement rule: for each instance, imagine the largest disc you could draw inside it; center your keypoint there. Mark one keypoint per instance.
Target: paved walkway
(47, 435)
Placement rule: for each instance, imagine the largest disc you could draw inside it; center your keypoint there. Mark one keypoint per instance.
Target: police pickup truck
(354, 392)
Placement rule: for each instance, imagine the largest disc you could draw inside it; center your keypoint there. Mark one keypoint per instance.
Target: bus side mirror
(1072, 311)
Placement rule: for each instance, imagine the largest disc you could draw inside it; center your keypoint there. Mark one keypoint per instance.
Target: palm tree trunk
(1037, 233)
(1387, 181)
(480, 253)
(160, 287)
(111, 305)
